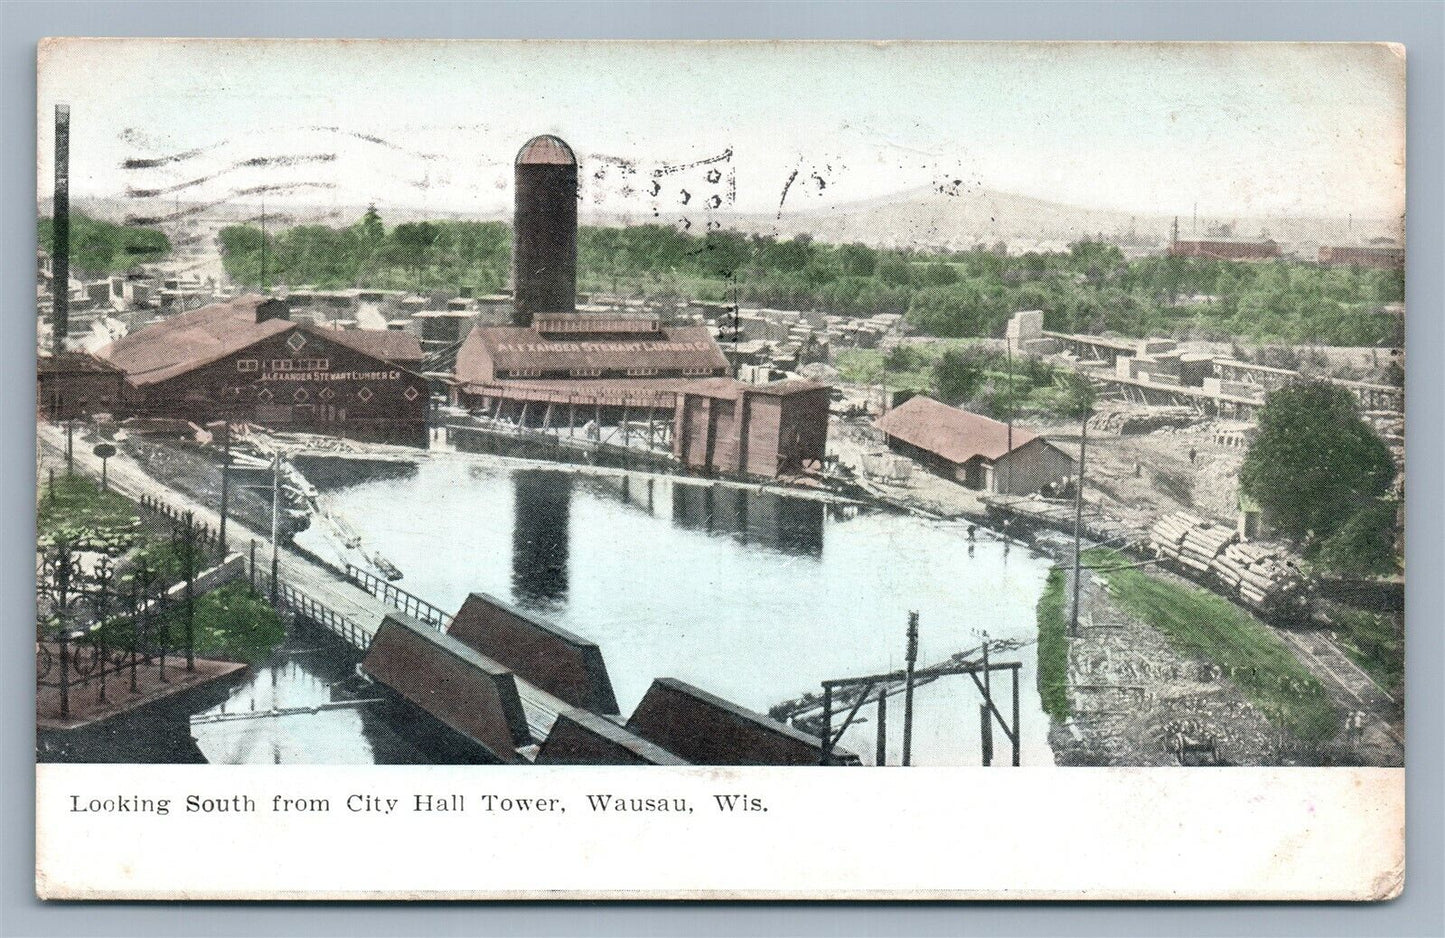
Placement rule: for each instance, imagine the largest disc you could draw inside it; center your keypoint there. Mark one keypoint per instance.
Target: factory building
(244, 360)
(1376, 257)
(554, 365)
(586, 347)
(974, 450)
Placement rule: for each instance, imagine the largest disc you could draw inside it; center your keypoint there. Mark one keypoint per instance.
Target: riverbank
(1158, 665)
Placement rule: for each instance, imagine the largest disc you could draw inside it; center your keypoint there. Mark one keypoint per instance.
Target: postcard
(575, 470)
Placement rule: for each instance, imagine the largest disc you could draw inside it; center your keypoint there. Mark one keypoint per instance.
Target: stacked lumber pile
(1264, 578)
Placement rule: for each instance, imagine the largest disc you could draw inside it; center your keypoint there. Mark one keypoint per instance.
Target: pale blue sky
(1240, 129)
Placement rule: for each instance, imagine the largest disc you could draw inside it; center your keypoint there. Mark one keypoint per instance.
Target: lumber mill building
(556, 368)
(244, 360)
(974, 450)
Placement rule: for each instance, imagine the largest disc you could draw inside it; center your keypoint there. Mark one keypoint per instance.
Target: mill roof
(956, 435)
(390, 345)
(188, 340)
(521, 348)
(184, 342)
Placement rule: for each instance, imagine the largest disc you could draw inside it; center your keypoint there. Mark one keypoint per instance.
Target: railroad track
(1349, 678)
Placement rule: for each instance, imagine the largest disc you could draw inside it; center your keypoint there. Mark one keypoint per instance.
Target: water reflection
(302, 674)
(787, 525)
(721, 586)
(541, 511)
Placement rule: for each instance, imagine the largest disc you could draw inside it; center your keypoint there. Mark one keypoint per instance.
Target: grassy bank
(233, 624)
(1053, 659)
(77, 509)
(230, 624)
(1210, 628)
(1375, 642)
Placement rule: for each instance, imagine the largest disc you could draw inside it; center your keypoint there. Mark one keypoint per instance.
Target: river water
(756, 597)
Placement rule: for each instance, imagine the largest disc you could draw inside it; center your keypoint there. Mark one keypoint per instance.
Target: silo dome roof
(546, 149)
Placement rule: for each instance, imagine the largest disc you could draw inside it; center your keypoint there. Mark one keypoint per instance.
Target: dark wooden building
(705, 729)
(73, 385)
(547, 656)
(766, 430)
(244, 360)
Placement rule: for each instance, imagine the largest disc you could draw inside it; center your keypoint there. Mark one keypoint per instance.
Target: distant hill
(930, 218)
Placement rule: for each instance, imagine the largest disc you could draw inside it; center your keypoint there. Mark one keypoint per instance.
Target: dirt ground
(1133, 695)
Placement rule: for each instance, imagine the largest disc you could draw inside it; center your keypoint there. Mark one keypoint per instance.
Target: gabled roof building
(244, 360)
(972, 449)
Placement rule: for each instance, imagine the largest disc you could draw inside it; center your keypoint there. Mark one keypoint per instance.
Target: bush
(1364, 545)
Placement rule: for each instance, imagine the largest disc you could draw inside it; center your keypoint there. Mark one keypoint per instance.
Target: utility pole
(275, 520)
(60, 234)
(189, 553)
(986, 739)
(880, 754)
(225, 487)
(911, 660)
(1008, 466)
(263, 244)
(1078, 520)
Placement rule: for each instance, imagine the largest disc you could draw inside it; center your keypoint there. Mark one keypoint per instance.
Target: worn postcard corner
(545, 460)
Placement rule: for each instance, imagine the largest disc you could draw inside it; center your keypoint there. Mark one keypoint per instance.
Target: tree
(958, 373)
(1076, 395)
(1365, 544)
(371, 228)
(1315, 463)
(858, 260)
(412, 245)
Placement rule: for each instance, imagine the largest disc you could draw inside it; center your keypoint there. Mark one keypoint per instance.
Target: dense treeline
(964, 374)
(98, 248)
(1092, 288)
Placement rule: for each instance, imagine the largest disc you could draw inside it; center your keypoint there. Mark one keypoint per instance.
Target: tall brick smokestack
(544, 230)
(60, 232)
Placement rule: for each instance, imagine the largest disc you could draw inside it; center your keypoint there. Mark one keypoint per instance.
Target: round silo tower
(544, 230)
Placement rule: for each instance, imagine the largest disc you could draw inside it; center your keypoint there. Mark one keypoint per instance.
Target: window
(247, 364)
(525, 373)
(697, 371)
(281, 364)
(641, 372)
(586, 372)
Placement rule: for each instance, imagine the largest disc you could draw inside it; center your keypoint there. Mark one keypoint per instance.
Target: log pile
(1133, 420)
(1263, 578)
